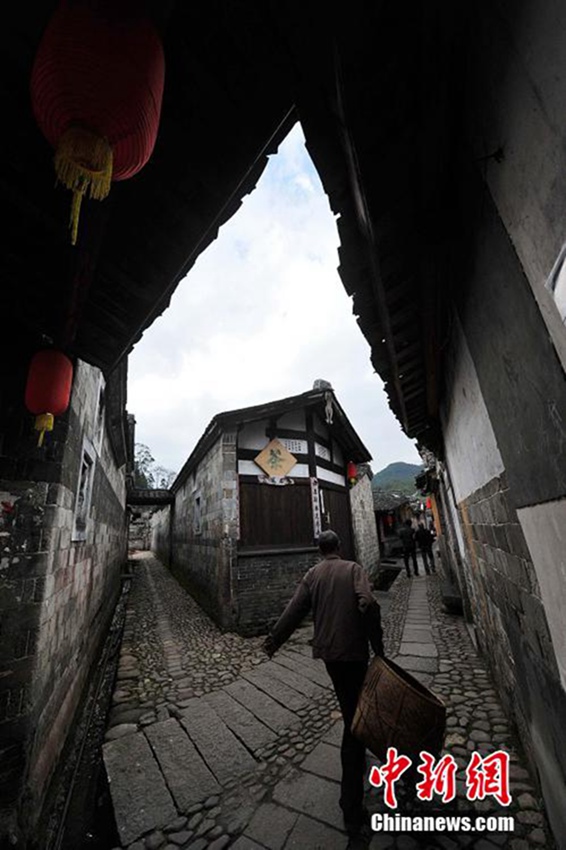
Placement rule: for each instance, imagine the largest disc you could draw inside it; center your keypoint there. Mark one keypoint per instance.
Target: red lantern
(429, 503)
(352, 472)
(96, 89)
(48, 388)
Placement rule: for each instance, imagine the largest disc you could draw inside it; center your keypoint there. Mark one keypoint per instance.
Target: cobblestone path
(212, 746)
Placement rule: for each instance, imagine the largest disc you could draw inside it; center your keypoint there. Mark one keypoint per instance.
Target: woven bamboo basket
(396, 710)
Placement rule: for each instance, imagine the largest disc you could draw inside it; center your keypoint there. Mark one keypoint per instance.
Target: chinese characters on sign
(486, 776)
(316, 515)
(275, 460)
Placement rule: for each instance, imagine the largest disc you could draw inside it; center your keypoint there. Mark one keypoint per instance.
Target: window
(84, 493)
(197, 518)
(556, 283)
(322, 451)
(100, 413)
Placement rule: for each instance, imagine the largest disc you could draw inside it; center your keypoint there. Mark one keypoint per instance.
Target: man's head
(329, 543)
(408, 523)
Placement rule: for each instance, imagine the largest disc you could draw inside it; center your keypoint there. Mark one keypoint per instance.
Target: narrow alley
(210, 745)
(350, 253)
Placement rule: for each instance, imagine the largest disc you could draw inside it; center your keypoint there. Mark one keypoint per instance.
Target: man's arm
(290, 619)
(369, 608)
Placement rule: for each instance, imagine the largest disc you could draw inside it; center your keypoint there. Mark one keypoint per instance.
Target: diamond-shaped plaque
(275, 460)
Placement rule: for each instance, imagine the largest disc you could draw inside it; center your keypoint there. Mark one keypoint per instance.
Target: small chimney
(321, 384)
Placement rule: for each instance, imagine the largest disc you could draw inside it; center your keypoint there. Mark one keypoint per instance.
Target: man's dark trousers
(413, 554)
(428, 560)
(347, 678)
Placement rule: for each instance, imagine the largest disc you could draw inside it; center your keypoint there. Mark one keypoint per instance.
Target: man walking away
(346, 616)
(424, 540)
(407, 536)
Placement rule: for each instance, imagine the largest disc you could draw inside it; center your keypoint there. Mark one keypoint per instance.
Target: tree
(143, 468)
(148, 475)
(163, 477)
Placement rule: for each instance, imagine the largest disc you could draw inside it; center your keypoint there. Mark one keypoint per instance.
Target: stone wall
(364, 527)
(516, 67)
(58, 583)
(263, 584)
(204, 528)
(160, 534)
(141, 526)
(503, 412)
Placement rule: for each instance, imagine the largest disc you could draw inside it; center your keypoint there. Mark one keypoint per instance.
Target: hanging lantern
(96, 90)
(352, 472)
(48, 388)
(429, 503)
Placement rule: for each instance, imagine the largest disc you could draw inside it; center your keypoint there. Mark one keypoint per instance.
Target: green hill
(398, 477)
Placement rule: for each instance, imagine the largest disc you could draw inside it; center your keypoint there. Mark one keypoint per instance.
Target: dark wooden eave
(376, 87)
(149, 498)
(341, 428)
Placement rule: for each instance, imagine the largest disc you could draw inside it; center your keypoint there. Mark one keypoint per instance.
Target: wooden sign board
(275, 460)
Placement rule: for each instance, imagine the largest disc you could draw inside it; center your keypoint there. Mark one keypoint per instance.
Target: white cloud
(261, 315)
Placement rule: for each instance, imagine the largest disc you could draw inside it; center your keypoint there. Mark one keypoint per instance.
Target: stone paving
(210, 745)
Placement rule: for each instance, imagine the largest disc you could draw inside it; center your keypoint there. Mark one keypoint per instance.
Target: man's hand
(269, 646)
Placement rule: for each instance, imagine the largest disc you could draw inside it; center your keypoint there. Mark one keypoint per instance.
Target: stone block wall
(264, 584)
(504, 406)
(160, 534)
(204, 527)
(141, 527)
(57, 589)
(364, 527)
(503, 582)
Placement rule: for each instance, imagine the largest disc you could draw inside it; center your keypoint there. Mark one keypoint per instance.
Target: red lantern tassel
(83, 163)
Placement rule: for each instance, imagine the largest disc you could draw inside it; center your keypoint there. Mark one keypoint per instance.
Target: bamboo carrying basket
(395, 710)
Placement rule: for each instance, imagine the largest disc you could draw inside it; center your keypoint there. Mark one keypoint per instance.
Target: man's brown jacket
(345, 613)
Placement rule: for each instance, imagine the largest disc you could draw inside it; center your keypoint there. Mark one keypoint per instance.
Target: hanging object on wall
(352, 472)
(316, 512)
(48, 388)
(96, 91)
(275, 460)
(328, 408)
(275, 480)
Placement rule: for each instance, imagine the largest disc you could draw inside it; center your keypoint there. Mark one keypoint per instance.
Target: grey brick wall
(56, 594)
(505, 595)
(160, 534)
(264, 584)
(364, 527)
(202, 546)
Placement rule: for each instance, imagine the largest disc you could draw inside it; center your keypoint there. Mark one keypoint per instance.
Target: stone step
(242, 722)
(278, 690)
(280, 669)
(222, 751)
(187, 776)
(140, 797)
(266, 709)
(306, 665)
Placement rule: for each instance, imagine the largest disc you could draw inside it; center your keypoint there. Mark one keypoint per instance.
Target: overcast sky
(260, 316)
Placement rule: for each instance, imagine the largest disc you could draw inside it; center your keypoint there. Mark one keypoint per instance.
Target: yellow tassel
(83, 163)
(44, 422)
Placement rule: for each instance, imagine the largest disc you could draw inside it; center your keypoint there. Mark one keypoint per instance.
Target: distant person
(407, 537)
(425, 539)
(346, 616)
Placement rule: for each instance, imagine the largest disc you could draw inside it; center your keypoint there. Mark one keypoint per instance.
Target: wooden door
(336, 515)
